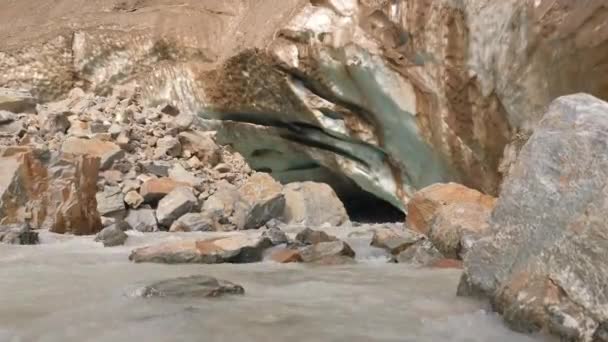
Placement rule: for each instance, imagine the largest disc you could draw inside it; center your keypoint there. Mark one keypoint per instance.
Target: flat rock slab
(232, 249)
(198, 286)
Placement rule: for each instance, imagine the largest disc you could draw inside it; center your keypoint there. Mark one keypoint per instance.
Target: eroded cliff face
(389, 95)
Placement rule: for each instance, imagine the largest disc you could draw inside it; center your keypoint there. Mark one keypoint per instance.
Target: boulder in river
(142, 220)
(276, 236)
(395, 241)
(18, 234)
(285, 255)
(112, 236)
(312, 237)
(231, 249)
(544, 266)
(422, 253)
(425, 203)
(198, 286)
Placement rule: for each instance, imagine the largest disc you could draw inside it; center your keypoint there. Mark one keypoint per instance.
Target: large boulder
(313, 204)
(232, 249)
(54, 191)
(198, 286)
(260, 200)
(111, 202)
(193, 222)
(423, 206)
(154, 189)
(544, 265)
(327, 252)
(222, 205)
(111, 236)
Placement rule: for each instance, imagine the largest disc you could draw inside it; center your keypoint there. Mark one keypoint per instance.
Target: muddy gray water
(72, 289)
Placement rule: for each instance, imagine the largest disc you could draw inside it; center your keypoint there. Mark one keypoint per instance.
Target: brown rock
(312, 237)
(395, 241)
(285, 255)
(325, 250)
(425, 203)
(154, 189)
(447, 263)
(232, 249)
(201, 145)
(55, 192)
(456, 221)
(260, 200)
(107, 151)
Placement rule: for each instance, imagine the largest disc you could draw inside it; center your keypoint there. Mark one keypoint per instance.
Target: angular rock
(193, 222)
(157, 168)
(15, 128)
(458, 225)
(198, 286)
(178, 202)
(276, 236)
(107, 151)
(133, 199)
(232, 249)
(285, 255)
(111, 236)
(179, 174)
(260, 199)
(56, 122)
(311, 203)
(155, 189)
(201, 145)
(142, 220)
(423, 253)
(326, 251)
(54, 191)
(425, 203)
(167, 146)
(111, 202)
(395, 241)
(313, 237)
(222, 205)
(18, 234)
(16, 101)
(544, 263)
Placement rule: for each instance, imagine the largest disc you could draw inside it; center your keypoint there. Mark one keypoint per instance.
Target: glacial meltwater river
(73, 289)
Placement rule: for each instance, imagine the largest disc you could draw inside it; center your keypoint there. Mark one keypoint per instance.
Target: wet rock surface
(112, 236)
(543, 267)
(18, 234)
(197, 286)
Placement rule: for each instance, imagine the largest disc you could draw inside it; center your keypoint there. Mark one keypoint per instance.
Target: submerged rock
(544, 264)
(232, 249)
(112, 236)
(327, 252)
(18, 234)
(198, 286)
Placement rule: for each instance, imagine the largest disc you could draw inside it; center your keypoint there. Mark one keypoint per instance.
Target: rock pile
(87, 162)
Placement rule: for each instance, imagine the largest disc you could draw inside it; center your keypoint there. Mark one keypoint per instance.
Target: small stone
(177, 203)
(130, 185)
(157, 168)
(134, 199)
(170, 110)
(193, 222)
(179, 174)
(115, 130)
(285, 255)
(195, 163)
(183, 121)
(201, 145)
(113, 177)
(313, 237)
(111, 236)
(198, 286)
(142, 220)
(107, 221)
